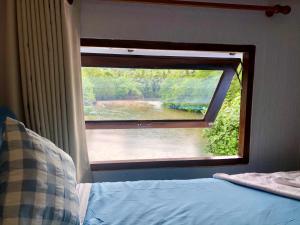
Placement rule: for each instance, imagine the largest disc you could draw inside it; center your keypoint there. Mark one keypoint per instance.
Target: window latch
(144, 124)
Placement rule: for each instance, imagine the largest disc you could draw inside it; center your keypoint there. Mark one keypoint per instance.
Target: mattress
(184, 202)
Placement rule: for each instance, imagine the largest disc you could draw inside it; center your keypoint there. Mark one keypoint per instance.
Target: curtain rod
(269, 10)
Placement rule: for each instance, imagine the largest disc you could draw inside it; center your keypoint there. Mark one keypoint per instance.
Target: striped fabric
(37, 180)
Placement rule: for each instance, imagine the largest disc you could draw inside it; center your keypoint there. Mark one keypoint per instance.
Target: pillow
(37, 180)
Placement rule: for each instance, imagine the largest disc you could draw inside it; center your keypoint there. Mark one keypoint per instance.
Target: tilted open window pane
(148, 94)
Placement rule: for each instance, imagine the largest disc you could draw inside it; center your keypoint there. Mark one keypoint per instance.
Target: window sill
(159, 163)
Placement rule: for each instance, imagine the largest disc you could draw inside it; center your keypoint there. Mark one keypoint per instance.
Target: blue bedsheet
(188, 202)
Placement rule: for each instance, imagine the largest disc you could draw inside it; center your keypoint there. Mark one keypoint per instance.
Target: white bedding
(281, 183)
(83, 191)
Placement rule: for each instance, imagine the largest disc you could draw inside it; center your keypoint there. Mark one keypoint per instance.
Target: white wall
(275, 127)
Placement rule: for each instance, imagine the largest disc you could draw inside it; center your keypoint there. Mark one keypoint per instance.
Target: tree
(88, 91)
(223, 136)
(189, 90)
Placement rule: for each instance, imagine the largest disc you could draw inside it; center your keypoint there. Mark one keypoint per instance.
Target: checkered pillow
(37, 180)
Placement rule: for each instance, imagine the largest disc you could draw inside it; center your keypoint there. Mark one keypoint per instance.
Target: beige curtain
(48, 55)
(10, 84)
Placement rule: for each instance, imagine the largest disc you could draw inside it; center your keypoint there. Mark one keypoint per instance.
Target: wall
(276, 104)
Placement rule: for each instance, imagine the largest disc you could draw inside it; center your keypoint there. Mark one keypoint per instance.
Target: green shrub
(88, 92)
(223, 136)
(189, 107)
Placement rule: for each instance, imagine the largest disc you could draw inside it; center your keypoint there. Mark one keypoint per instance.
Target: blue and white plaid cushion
(37, 180)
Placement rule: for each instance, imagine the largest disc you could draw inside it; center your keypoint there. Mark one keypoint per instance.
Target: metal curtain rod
(269, 10)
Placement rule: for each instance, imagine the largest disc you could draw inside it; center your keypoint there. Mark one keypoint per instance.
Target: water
(138, 110)
(133, 144)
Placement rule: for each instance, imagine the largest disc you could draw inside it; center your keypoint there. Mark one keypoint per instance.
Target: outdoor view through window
(118, 94)
(153, 105)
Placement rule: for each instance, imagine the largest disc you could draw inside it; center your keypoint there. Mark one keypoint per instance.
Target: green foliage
(88, 91)
(192, 92)
(174, 87)
(189, 107)
(223, 136)
(114, 84)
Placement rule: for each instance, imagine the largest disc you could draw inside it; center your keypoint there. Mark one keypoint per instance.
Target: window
(156, 104)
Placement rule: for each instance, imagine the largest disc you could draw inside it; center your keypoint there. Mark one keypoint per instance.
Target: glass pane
(133, 144)
(118, 144)
(147, 94)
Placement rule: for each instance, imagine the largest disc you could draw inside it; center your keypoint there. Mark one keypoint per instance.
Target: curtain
(10, 84)
(49, 79)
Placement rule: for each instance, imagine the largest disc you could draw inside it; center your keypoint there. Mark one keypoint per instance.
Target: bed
(224, 200)
(37, 186)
